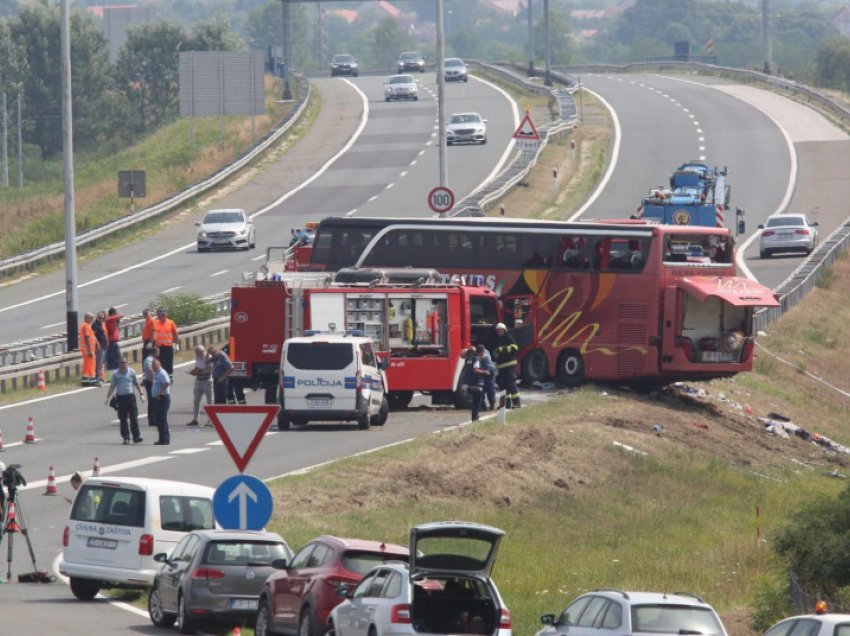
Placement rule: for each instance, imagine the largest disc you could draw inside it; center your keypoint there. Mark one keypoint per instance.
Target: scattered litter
(835, 474)
(543, 386)
(748, 410)
(777, 426)
(631, 449)
(778, 416)
(657, 428)
(700, 425)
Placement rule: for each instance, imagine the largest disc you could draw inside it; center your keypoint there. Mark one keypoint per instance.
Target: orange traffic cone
(51, 483)
(30, 436)
(95, 470)
(11, 521)
(1, 440)
(41, 384)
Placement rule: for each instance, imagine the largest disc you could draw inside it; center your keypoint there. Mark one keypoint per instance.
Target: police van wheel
(363, 422)
(84, 589)
(570, 368)
(380, 418)
(535, 367)
(282, 421)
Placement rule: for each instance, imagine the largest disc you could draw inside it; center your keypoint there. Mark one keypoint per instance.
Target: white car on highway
(788, 233)
(226, 229)
(400, 87)
(466, 128)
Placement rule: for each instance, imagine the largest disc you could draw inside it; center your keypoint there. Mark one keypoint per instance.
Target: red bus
(615, 301)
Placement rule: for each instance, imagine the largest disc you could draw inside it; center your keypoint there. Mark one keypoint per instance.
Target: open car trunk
(454, 605)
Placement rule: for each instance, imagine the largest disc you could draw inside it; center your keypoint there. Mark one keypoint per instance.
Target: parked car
(400, 87)
(819, 624)
(454, 70)
(117, 524)
(343, 64)
(226, 229)
(451, 588)
(618, 613)
(411, 61)
(788, 233)
(466, 128)
(213, 575)
(298, 599)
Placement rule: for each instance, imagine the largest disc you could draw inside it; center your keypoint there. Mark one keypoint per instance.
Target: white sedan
(401, 87)
(788, 233)
(466, 128)
(226, 229)
(812, 625)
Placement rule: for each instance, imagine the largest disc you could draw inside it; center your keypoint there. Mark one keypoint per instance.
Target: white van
(117, 524)
(332, 377)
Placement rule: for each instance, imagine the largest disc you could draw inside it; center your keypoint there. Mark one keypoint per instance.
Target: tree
(147, 71)
(215, 34)
(832, 65)
(560, 39)
(388, 40)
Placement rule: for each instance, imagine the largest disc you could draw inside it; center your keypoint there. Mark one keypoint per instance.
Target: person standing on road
(221, 370)
(505, 356)
(122, 384)
(165, 339)
(147, 329)
(147, 375)
(161, 397)
(472, 380)
(113, 337)
(102, 344)
(489, 383)
(203, 382)
(88, 349)
(235, 392)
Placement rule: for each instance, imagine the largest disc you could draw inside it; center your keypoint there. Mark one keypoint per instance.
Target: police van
(332, 376)
(117, 525)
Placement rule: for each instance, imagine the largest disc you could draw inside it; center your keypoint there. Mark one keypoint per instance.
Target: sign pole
(68, 172)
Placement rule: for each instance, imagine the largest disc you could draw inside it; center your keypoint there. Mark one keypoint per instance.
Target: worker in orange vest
(88, 349)
(165, 339)
(147, 330)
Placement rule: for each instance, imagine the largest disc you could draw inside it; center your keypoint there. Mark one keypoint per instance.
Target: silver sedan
(226, 229)
(788, 233)
(466, 127)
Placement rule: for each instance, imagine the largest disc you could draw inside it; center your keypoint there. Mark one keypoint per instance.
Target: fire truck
(422, 326)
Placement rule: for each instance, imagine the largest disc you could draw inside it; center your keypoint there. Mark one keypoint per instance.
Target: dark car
(214, 575)
(299, 598)
(344, 64)
(411, 61)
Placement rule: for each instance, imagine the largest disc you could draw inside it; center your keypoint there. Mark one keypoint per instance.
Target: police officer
(505, 355)
(122, 384)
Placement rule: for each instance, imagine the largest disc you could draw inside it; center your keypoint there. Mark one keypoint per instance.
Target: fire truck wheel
(282, 420)
(570, 368)
(535, 367)
(381, 417)
(399, 399)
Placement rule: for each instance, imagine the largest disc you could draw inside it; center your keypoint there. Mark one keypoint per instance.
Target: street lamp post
(286, 49)
(530, 42)
(441, 108)
(548, 78)
(68, 170)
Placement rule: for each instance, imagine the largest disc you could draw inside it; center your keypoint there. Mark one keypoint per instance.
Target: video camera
(12, 477)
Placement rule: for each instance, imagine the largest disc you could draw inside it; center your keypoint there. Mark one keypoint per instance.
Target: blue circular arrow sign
(242, 502)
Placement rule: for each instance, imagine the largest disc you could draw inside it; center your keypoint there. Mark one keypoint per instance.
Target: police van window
(320, 356)
(185, 514)
(367, 356)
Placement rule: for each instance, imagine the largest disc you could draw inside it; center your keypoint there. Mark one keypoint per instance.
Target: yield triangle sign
(241, 428)
(526, 129)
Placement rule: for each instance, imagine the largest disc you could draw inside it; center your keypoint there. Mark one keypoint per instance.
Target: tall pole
(5, 176)
(548, 79)
(287, 48)
(765, 37)
(441, 106)
(68, 155)
(530, 42)
(20, 148)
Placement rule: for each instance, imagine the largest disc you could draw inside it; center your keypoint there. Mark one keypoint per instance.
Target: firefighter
(505, 355)
(88, 349)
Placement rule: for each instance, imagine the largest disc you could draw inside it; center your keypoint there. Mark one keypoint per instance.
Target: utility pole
(286, 15)
(530, 42)
(765, 37)
(548, 78)
(20, 148)
(441, 107)
(68, 170)
(5, 177)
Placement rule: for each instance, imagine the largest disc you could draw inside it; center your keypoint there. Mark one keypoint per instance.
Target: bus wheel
(399, 399)
(570, 368)
(535, 367)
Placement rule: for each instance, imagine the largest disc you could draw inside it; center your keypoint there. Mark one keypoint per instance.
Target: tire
(84, 589)
(399, 399)
(157, 615)
(364, 422)
(463, 398)
(184, 623)
(306, 622)
(300, 421)
(354, 75)
(484, 141)
(764, 253)
(201, 250)
(263, 625)
(282, 420)
(331, 630)
(383, 413)
(570, 370)
(535, 367)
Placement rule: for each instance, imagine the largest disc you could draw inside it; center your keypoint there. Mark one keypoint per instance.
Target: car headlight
(202, 235)
(242, 232)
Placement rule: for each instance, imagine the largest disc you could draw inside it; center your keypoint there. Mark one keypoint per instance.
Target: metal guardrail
(29, 259)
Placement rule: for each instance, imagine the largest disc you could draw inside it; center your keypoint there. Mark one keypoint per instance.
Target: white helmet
(501, 326)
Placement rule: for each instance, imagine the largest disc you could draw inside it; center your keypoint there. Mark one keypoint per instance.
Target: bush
(770, 605)
(185, 309)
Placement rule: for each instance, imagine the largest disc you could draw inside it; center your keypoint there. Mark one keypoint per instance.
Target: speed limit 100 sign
(441, 199)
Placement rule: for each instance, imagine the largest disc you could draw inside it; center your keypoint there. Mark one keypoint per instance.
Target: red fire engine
(421, 325)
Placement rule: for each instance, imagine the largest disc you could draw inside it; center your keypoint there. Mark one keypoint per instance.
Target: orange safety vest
(147, 331)
(87, 339)
(164, 332)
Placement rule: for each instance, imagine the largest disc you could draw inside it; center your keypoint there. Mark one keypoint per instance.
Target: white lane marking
(10, 445)
(259, 258)
(372, 198)
(701, 138)
(55, 324)
(351, 212)
(686, 110)
(144, 461)
(696, 123)
(691, 115)
(218, 442)
(699, 130)
(421, 152)
(219, 273)
(389, 186)
(351, 141)
(171, 289)
(47, 397)
(615, 153)
(403, 174)
(702, 148)
(188, 451)
(121, 305)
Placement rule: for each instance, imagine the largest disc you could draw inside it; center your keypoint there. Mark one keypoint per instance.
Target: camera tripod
(13, 523)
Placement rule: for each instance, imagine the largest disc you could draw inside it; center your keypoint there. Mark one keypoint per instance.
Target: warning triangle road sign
(526, 129)
(241, 428)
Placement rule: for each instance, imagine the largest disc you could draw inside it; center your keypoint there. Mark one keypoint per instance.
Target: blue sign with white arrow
(242, 502)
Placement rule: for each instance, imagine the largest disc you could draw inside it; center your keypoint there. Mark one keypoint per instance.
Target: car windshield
(401, 79)
(465, 119)
(675, 619)
(410, 57)
(243, 552)
(224, 217)
(785, 221)
(453, 61)
(343, 58)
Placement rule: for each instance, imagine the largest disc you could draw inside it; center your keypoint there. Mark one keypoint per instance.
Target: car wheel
(764, 253)
(186, 624)
(398, 400)
(354, 75)
(484, 141)
(380, 418)
(306, 622)
(463, 398)
(155, 611)
(363, 422)
(386, 99)
(331, 631)
(416, 98)
(201, 249)
(465, 79)
(535, 367)
(300, 421)
(263, 625)
(570, 368)
(282, 420)
(84, 589)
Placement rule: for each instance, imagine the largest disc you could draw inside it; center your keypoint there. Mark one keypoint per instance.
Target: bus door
(521, 319)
